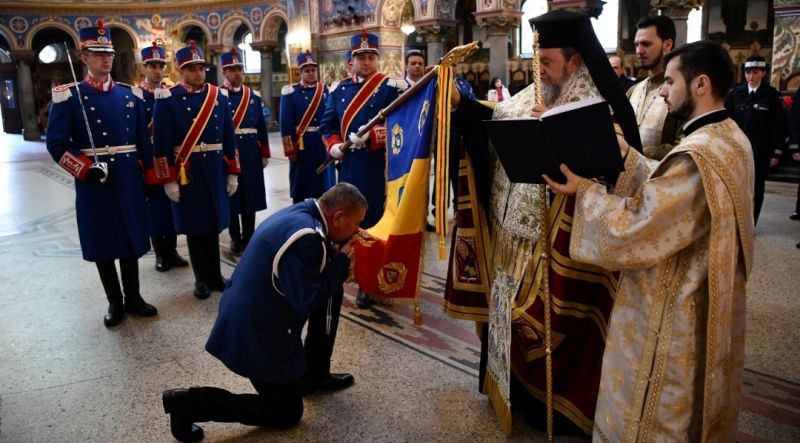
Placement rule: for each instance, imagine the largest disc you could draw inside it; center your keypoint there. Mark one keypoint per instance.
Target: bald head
(343, 207)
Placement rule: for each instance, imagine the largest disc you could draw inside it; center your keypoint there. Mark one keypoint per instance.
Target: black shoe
(237, 246)
(795, 216)
(330, 382)
(162, 265)
(218, 284)
(362, 301)
(180, 424)
(176, 260)
(115, 315)
(137, 305)
(201, 290)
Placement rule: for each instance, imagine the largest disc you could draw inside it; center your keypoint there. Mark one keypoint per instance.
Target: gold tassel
(300, 145)
(182, 177)
(442, 251)
(417, 313)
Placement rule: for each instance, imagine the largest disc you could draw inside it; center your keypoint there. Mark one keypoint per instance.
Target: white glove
(233, 184)
(336, 151)
(173, 191)
(264, 162)
(359, 142)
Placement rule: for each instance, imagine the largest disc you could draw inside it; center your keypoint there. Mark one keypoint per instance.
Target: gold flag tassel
(183, 177)
(444, 94)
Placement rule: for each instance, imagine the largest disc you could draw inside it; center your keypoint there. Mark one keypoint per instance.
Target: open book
(580, 134)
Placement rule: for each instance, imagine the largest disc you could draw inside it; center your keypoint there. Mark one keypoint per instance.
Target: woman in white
(498, 93)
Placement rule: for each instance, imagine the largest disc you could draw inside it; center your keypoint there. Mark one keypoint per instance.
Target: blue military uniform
(272, 292)
(202, 211)
(159, 208)
(111, 215)
(253, 144)
(304, 182)
(364, 168)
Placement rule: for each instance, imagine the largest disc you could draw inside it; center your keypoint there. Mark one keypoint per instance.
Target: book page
(574, 105)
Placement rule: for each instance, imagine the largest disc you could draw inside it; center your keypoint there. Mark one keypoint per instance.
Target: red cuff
(162, 171)
(234, 167)
(76, 166)
(264, 149)
(331, 140)
(377, 138)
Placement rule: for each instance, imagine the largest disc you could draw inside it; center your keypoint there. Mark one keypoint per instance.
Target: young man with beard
(655, 37)
(253, 144)
(681, 233)
(109, 182)
(162, 227)
(756, 107)
(196, 157)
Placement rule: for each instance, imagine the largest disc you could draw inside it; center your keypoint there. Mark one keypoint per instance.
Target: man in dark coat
(294, 271)
(756, 108)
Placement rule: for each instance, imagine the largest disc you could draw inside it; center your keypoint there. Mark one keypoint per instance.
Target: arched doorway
(10, 114)
(51, 67)
(124, 68)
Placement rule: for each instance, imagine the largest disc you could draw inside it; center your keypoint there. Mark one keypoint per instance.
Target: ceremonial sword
(102, 166)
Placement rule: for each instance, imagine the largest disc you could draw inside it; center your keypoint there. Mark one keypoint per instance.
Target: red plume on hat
(155, 45)
(101, 23)
(308, 53)
(363, 35)
(234, 53)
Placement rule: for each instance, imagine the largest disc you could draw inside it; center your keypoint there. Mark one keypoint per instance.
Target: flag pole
(455, 55)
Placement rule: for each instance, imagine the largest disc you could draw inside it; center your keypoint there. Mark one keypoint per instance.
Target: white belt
(312, 129)
(203, 147)
(111, 150)
(241, 131)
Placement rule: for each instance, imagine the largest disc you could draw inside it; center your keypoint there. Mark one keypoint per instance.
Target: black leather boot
(171, 252)
(162, 264)
(108, 276)
(248, 227)
(197, 257)
(214, 276)
(237, 246)
(134, 303)
(177, 404)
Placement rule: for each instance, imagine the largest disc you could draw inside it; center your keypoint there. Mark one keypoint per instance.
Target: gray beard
(550, 94)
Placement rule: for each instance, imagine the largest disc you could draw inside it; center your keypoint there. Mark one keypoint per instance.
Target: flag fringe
(502, 406)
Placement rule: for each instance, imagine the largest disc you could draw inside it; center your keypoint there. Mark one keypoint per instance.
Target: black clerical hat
(564, 29)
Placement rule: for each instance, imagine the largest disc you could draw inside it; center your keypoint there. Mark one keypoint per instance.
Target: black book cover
(579, 134)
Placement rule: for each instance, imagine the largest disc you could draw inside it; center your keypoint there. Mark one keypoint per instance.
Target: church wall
(786, 57)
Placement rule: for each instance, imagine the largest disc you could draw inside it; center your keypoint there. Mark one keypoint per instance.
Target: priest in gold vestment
(681, 232)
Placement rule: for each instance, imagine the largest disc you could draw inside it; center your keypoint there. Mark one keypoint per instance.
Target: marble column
(435, 35)
(216, 59)
(30, 128)
(266, 49)
(499, 27)
(678, 11)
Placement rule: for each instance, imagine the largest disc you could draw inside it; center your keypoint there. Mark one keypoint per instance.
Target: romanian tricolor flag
(387, 263)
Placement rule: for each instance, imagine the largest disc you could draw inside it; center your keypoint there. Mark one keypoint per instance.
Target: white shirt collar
(410, 82)
(322, 214)
(686, 125)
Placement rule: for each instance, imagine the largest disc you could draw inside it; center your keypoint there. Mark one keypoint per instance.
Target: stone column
(266, 49)
(30, 128)
(499, 27)
(435, 34)
(678, 11)
(216, 52)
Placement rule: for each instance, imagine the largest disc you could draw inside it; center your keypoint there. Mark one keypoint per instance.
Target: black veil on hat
(564, 29)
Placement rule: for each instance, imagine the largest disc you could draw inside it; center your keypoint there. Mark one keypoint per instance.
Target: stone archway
(8, 36)
(228, 28)
(51, 23)
(124, 68)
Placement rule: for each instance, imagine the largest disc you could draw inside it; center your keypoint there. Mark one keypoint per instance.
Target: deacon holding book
(98, 133)
(681, 233)
(162, 227)
(301, 111)
(351, 104)
(196, 157)
(655, 37)
(506, 217)
(252, 142)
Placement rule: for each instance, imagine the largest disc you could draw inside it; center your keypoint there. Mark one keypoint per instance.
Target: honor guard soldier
(196, 157)
(98, 133)
(301, 111)
(253, 144)
(351, 104)
(162, 228)
(756, 108)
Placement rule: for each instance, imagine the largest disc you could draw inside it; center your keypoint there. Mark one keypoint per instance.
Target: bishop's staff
(545, 239)
(454, 56)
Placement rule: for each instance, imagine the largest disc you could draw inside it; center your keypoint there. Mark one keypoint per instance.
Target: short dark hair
(705, 57)
(665, 27)
(413, 53)
(343, 197)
